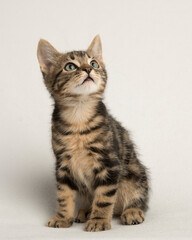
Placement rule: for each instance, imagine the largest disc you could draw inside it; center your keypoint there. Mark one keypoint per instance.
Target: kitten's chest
(81, 164)
(82, 170)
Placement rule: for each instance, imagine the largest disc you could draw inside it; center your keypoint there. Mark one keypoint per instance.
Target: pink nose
(87, 69)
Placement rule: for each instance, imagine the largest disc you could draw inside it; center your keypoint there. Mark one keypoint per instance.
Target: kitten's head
(77, 73)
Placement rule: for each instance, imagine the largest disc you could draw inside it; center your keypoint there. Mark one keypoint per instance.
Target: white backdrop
(147, 47)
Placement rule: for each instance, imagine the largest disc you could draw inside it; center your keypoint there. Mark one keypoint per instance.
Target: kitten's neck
(79, 110)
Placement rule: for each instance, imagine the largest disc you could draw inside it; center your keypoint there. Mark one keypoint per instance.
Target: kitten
(95, 157)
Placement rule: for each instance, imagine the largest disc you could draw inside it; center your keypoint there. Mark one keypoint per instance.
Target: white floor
(160, 224)
(27, 204)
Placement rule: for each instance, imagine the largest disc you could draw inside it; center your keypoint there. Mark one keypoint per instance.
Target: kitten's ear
(47, 56)
(95, 48)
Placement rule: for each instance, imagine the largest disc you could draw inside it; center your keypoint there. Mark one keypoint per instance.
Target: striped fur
(95, 157)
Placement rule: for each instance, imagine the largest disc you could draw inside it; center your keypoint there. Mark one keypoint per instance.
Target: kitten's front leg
(66, 195)
(103, 202)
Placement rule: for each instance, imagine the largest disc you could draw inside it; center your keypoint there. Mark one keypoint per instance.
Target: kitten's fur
(95, 157)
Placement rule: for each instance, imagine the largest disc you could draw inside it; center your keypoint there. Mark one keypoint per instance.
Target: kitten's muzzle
(87, 79)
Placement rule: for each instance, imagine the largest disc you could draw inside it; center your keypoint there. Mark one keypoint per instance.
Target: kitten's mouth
(88, 79)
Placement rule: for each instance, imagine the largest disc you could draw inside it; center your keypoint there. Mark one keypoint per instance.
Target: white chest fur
(82, 168)
(80, 111)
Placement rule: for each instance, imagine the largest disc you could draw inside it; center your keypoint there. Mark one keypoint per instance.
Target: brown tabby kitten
(95, 157)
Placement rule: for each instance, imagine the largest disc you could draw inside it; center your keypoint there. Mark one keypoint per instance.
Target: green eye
(94, 64)
(70, 67)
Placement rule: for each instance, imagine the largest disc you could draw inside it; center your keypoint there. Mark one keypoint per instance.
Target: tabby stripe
(87, 213)
(98, 170)
(139, 203)
(103, 204)
(59, 187)
(65, 169)
(97, 218)
(110, 193)
(72, 56)
(80, 53)
(68, 181)
(60, 215)
(104, 157)
(62, 131)
(56, 114)
(58, 164)
(68, 157)
(108, 162)
(63, 83)
(55, 80)
(59, 152)
(104, 182)
(120, 132)
(88, 55)
(115, 143)
(93, 117)
(92, 129)
(101, 151)
(111, 178)
(60, 200)
(96, 140)
(57, 118)
(57, 141)
(101, 109)
(133, 175)
(62, 205)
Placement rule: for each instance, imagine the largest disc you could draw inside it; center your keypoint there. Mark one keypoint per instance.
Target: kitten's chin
(86, 88)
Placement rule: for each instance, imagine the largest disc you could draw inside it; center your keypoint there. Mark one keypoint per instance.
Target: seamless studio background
(147, 48)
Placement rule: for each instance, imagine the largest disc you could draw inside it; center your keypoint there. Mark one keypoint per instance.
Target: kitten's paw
(132, 216)
(57, 222)
(96, 225)
(81, 216)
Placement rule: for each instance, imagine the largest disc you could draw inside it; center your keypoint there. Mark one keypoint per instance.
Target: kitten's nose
(87, 69)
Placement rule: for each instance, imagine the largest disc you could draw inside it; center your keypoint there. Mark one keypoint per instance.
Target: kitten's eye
(70, 67)
(94, 64)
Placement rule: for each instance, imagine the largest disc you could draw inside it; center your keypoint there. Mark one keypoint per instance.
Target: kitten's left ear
(95, 48)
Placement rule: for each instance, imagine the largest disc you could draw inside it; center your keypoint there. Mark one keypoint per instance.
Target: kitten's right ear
(47, 56)
(95, 48)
